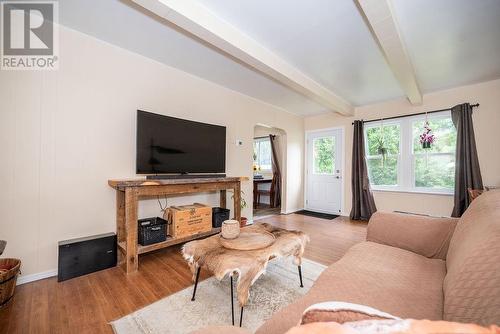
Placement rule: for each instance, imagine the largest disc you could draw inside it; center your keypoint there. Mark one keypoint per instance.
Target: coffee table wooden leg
(196, 282)
(241, 315)
(300, 276)
(232, 301)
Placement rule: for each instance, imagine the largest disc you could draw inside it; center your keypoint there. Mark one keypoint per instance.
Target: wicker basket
(230, 229)
(9, 268)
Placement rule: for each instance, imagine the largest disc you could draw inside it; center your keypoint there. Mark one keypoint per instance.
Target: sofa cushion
(427, 236)
(390, 279)
(472, 284)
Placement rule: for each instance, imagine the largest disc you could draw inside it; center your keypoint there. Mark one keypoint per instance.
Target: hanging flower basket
(382, 150)
(427, 138)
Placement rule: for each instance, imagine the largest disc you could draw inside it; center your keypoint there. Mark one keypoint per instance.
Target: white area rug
(178, 314)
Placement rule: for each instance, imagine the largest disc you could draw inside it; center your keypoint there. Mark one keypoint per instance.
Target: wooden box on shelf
(187, 220)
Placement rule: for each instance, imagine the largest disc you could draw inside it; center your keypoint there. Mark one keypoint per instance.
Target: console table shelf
(129, 192)
(169, 242)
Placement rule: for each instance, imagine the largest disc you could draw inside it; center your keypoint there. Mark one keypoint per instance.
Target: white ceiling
(326, 39)
(450, 42)
(126, 25)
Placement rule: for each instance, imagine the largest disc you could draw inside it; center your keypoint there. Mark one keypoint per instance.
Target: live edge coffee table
(211, 254)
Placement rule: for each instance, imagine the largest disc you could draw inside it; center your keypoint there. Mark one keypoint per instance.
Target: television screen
(168, 145)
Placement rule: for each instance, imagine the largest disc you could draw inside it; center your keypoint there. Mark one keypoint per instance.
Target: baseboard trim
(36, 277)
(287, 212)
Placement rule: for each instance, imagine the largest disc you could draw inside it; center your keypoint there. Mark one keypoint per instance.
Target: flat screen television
(169, 145)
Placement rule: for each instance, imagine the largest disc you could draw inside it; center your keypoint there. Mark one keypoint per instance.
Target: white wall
(63, 134)
(486, 127)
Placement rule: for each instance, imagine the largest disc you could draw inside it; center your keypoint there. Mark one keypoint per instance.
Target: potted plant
(243, 204)
(382, 150)
(427, 138)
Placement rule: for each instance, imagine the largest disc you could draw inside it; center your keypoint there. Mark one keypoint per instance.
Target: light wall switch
(239, 142)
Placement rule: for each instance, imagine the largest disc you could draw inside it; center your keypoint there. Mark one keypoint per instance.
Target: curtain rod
(409, 115)
(263, 137)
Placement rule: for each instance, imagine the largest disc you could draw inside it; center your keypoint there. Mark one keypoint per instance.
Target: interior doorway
(269, 147)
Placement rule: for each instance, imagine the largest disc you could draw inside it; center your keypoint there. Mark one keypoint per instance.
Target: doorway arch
(262, 169)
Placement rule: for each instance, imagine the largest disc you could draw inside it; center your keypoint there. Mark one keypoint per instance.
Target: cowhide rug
(249, 264)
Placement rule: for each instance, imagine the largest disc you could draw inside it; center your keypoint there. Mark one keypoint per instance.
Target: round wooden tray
(249, 240)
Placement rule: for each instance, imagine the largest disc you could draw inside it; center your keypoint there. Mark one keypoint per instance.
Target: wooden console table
(128, 194)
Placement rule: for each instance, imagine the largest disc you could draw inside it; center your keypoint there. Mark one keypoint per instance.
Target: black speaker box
(83, 256)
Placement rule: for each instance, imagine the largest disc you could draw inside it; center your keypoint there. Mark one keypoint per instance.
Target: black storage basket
(218, 216)
(152, 230)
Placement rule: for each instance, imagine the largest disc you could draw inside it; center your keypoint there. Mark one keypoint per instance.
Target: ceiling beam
(380, 18)
(202, 23)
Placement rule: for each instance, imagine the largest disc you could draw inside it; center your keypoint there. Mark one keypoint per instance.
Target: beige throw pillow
(341, 312)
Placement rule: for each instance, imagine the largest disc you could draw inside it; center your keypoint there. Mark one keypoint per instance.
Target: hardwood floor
(265, 210)
(87, 304)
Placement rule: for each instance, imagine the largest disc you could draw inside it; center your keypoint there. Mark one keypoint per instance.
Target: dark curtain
(276, 171)
(363, 205)
(467, 171)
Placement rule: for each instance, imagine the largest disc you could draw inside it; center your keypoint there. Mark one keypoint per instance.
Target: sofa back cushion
(472, 283)
(427, 236)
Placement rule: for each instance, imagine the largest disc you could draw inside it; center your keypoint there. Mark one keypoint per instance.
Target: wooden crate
(187, 220)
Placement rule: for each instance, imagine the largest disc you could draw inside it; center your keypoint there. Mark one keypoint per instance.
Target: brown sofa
(414, 267)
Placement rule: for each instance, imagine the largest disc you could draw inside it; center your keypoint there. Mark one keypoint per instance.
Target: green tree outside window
(383, 171)
(324, 155)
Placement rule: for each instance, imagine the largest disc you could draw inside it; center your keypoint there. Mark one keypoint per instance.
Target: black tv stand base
(184, 176)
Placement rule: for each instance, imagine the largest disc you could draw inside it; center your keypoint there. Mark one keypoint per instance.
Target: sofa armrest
(221, 330)
(427, 236)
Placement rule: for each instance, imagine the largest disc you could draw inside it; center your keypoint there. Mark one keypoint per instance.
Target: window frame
(406, 157)
(259, 140)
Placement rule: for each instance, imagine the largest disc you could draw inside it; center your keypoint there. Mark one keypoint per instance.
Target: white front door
(324, 171)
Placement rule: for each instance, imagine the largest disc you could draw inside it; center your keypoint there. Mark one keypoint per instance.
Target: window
(262, 154)
(397, 161)
(324, 155)
(434, 167)
(383, 165)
